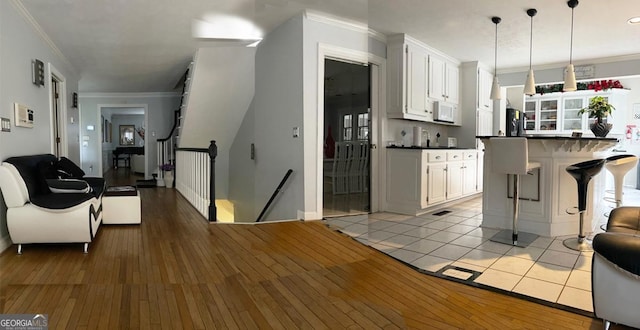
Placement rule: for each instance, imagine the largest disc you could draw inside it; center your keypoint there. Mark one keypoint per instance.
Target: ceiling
(145, 45)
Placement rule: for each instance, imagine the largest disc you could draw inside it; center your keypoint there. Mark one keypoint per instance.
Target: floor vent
(459, 273)
(442, 213)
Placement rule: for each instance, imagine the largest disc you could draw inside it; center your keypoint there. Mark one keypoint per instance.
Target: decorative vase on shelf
(600, 129)
(168, 179)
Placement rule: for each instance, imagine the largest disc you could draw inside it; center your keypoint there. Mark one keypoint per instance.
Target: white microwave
(444, 112)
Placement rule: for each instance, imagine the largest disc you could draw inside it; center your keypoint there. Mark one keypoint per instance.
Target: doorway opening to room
(347, 139)
(57, 105)
(123, 148)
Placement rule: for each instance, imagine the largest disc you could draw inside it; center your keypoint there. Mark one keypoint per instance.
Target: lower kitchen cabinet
(418, 179)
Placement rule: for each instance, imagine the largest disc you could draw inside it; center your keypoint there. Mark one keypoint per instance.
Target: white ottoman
(121, 209)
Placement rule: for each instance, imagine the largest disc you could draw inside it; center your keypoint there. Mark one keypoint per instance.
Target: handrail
(212, 152)
(176, 114)
(275, 193)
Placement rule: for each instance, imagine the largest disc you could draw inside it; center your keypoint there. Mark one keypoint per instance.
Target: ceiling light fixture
(530, 85)
(634, 20)
(569, 73)
(495, 88)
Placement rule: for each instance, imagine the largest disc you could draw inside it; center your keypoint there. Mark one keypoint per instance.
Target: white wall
(160, 110)
(222, 88)
(19, 45)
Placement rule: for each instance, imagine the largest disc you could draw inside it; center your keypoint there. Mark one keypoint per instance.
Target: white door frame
(54, 74)
(145, 106)
(378, 102)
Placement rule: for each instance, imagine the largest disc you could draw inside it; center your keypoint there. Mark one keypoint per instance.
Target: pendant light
(495, 88)
(569, 73)
(530, 85)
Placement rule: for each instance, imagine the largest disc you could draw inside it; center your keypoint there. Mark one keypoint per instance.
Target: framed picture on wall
(104, 129)
(127, 135)
(110, 134)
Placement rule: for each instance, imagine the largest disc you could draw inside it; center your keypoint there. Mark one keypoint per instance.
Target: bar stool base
(574, 244)
(505, 236)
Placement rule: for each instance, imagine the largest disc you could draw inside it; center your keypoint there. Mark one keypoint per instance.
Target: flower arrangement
(167, 167)
(598, 108)
(596, 85)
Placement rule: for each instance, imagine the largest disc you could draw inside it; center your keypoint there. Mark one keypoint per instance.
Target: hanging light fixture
(495, 88)
(530, 84)
(569, 73)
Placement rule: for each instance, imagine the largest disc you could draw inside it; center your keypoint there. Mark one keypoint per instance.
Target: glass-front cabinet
(558, 112)
(571, 120)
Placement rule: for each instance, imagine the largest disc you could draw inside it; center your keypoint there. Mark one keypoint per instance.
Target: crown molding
(17, 4)
(550, 66)
(125, 95)
(337, 21)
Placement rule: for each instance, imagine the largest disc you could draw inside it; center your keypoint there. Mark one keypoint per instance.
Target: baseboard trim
(5, 243)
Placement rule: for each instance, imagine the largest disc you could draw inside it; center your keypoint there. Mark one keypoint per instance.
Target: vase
(601, 129)
(168, 179)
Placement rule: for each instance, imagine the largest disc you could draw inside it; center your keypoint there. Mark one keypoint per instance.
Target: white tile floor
(545, 270)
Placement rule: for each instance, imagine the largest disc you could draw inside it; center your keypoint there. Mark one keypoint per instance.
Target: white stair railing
(195, 178)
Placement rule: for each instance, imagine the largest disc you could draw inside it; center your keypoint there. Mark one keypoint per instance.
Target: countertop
(555, 137)
(428, 148)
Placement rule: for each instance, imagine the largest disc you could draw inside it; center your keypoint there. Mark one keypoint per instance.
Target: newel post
(213, 153)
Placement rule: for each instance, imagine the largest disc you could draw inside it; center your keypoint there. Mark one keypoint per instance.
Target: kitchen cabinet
(418, 179)
(558, 112)
(444, 80)
(410, 81)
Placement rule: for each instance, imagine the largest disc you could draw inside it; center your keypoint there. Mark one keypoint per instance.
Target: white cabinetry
(444, 80)
(558, 112)
(416, 77)
(485, 80)
(420, 179)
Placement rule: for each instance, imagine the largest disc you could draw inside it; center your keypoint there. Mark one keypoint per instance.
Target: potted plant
(168, 174)
(599, 108)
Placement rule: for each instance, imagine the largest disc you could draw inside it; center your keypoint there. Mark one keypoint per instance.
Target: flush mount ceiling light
(634, 20)
(569, 73)
(227, 29)
(495, 88)
(530, 85)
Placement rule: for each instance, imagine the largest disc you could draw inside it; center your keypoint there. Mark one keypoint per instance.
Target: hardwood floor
(176, 271)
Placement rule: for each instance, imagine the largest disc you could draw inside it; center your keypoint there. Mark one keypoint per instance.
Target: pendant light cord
(495, 63)
(571, 43)
(531, 44)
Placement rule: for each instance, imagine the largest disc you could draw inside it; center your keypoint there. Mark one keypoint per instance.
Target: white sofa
(36, 215)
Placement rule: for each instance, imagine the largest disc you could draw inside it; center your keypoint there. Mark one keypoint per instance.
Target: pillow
(68, 186)
(69, 168)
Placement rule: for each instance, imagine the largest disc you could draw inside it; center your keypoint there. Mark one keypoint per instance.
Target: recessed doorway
(347, 139)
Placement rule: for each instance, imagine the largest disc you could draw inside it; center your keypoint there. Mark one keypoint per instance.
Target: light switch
(6, 125)
(296, 132)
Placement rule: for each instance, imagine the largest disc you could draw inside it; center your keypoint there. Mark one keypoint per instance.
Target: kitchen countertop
(554, 137)
(428, 148)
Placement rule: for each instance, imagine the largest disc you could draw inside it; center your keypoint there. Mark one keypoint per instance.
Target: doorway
(58, 112)
(123, 148)
(347, 139)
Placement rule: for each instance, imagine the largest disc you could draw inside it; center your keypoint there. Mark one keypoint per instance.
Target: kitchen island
(549, 192)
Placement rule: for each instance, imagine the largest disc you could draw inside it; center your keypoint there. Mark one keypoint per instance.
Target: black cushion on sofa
(98, 185)
(67, 166)
(60, 201)
(625, 219)
(619, 248)
(27, 166)
(68, 186)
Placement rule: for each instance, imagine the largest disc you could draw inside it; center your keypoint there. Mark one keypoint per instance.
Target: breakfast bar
(548, 195)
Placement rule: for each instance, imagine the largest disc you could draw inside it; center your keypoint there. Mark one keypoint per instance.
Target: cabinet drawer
(454, 155)
(470, 155)
(436, 156)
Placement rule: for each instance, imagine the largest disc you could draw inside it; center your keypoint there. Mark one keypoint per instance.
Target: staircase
(168, 145)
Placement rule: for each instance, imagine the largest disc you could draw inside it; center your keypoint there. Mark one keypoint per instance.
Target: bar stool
(510, 156)
(619, 166)
(582, 172)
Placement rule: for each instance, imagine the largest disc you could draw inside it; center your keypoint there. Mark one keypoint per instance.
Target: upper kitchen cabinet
(559, 112)
(485, 80)
(444, 80)
(411, 84)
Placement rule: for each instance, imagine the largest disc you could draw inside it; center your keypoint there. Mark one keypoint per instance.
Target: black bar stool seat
(583, 172)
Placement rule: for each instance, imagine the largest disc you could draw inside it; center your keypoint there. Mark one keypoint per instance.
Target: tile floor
(455, 245)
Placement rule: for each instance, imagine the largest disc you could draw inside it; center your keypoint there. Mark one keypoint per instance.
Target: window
(363, 126)
(347, 127)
